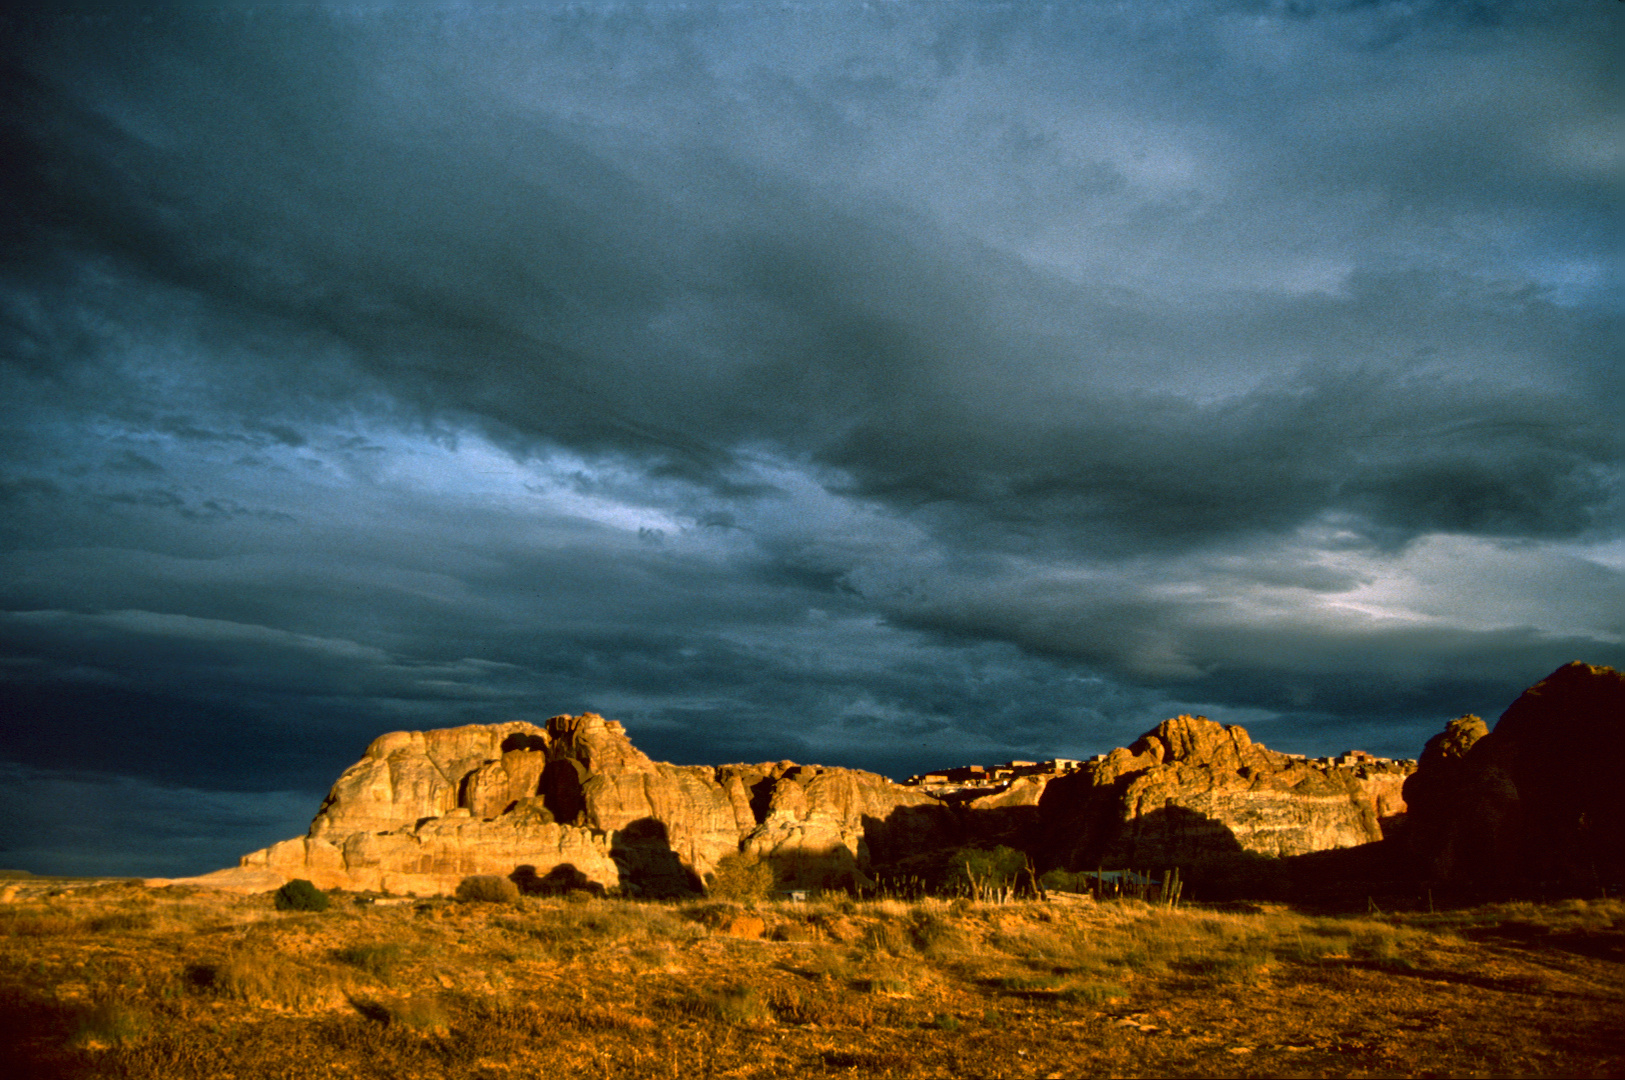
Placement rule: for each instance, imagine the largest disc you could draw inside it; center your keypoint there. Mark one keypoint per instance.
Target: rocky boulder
(1536, 800)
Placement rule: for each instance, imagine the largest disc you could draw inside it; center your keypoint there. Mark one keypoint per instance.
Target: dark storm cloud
(566, 279)
(118, 826)
(858, 385)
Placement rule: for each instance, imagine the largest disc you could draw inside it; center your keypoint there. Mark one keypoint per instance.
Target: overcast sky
(885, 385)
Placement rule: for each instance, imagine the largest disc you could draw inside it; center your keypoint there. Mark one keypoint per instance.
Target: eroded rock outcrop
(1194, 793)
(1536, 800)
(574, 803)
(826, 823)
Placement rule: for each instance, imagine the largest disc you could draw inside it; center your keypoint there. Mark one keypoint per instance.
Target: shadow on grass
(1596, 944)
(1529, 985)
(867, 1061)
(33, 1038)
(372, 1010)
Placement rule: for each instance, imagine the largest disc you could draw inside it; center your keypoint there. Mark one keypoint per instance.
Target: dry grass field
(118, 980)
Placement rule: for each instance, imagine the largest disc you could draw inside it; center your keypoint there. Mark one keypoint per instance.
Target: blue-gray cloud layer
(888, 385)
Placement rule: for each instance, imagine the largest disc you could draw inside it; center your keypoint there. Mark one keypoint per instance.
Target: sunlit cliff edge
(573, 804)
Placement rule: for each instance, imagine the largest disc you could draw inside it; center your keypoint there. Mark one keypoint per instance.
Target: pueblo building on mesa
(991, 775)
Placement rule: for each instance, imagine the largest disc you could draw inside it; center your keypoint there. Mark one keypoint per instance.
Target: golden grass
(122, 981)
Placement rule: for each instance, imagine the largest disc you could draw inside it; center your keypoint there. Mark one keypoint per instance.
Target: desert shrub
(487, 889)
(1044, 945)
(265, 978)
(1093, 993)
(713, 915)
(300, 895)
(121, 920)
(891, 908)
(1313, 942)
(1142, 954)
(827, 964)
(1305, 949)
(1331, 930)
(378, 959)
(567, 930)
(1383, 948)
(734, 1005)
(939, 936)
(982, 872)
(1028, 982)
(886, 938)
(1224, 966)
(794, 931)
(893, 981)
(111, 1022)
(36, 922)
(741, 876)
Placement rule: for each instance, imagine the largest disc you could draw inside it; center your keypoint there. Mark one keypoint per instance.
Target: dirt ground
(118, 980)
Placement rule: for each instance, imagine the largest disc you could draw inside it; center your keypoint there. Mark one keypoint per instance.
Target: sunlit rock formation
(1192, 792)
(820, 821)
(575, 804)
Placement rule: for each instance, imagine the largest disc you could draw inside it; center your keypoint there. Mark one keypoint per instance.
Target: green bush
(487, 889)
(300, 895)
(741, 876)
(982, 872)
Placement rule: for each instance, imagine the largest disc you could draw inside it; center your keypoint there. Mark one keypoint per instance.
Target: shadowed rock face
(1192, 792)
(1536, 800)
(576, 802)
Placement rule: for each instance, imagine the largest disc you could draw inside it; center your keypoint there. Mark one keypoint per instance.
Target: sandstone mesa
(573, 804)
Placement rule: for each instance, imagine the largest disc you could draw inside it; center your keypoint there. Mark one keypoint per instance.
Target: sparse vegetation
(200, 984)
(739, 1004)
(300, 895)
(986, 873)
(741, 876)
(378, 959)
(487, 889)
(111, 1022)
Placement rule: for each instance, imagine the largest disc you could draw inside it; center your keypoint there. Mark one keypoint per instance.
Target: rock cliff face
(1192, 792)
(820, 824)
(1538, 799)
(576, 804)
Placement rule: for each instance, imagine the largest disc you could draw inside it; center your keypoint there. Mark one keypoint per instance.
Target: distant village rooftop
(988, 777)
(962, 776)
